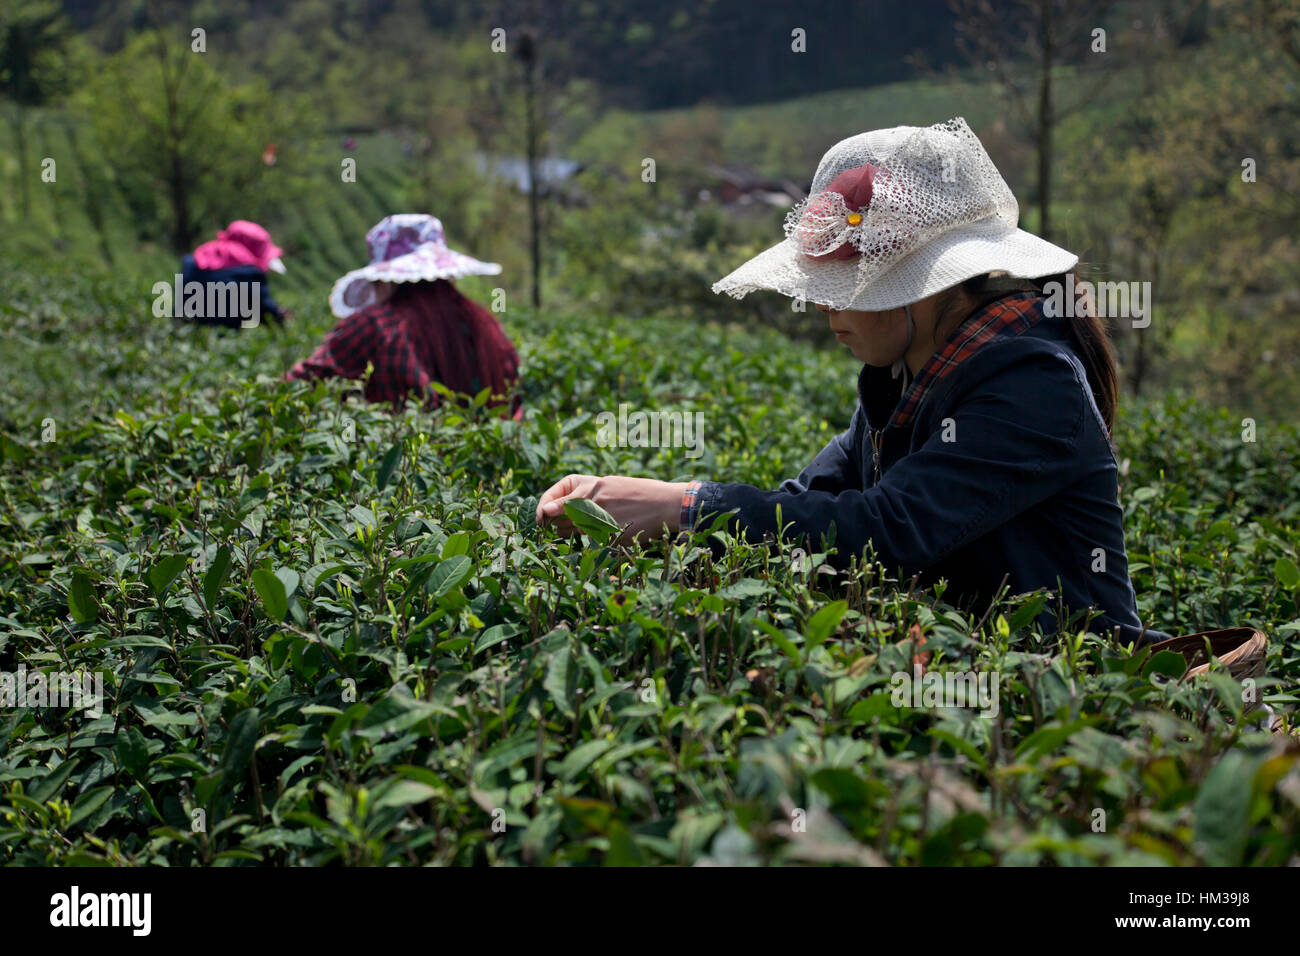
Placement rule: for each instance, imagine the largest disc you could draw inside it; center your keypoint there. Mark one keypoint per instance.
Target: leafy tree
(186, 145)
(33, 38)
(1192, 184)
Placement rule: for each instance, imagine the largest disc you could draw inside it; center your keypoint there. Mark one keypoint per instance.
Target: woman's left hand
(643, 506)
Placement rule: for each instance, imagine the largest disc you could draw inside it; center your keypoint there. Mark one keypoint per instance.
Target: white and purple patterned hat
(408, 247)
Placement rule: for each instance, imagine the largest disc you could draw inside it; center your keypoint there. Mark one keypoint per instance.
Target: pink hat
(242, 243)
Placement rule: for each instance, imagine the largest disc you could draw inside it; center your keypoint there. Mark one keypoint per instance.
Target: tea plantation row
(330, 633)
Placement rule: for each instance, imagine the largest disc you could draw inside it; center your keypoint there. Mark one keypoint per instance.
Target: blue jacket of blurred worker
(240, 256)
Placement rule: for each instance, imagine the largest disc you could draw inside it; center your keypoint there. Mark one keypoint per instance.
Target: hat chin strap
(899, 367)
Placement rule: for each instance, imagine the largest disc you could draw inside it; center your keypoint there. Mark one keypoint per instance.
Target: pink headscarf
(242, 243)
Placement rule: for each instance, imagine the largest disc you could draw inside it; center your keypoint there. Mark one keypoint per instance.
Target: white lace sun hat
(408, 247)
(896, 215)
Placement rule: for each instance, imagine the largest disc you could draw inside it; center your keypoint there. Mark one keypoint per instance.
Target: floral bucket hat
(894, 216)
(409, 247)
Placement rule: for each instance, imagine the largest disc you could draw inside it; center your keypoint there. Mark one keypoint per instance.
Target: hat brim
(978, 248)
(355, 291)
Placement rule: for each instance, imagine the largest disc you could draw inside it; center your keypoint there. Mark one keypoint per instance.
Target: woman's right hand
(641, 506)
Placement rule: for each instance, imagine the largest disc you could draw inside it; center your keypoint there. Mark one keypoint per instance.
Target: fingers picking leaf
(591, 519)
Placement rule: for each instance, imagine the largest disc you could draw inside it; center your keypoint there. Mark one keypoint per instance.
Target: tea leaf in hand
(591, 519)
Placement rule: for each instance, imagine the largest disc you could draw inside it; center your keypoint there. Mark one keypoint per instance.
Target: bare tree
(534, 31)
(1022, 44)
(528, 54)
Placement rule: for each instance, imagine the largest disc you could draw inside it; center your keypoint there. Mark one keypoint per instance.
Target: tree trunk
(534, 196)
(1045, 121)
(177, 185)
(180, 205)
(1140, 362)
(20, 135)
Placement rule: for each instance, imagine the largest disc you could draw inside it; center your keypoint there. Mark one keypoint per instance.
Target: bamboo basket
(1242, 650)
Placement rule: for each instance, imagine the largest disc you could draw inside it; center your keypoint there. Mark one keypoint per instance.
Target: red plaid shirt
(425, 333)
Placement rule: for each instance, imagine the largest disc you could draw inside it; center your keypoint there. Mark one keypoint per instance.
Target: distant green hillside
(84, 217)
(788, 137)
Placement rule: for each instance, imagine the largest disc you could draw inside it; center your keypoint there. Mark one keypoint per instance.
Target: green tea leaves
(823, 624)
(165, 571)
(591, 519)
(82, 604)
(449, 574)
(275, 600)
(216, 575)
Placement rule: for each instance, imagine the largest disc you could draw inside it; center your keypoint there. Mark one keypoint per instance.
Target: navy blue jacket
(241, 274)
(1026, 486)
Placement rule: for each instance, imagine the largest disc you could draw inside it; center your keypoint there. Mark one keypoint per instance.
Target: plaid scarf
(1014, 313)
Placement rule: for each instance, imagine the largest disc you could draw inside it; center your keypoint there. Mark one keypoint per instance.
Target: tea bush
(331, 633)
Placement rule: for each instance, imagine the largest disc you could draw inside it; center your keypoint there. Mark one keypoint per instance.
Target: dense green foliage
(337, 632)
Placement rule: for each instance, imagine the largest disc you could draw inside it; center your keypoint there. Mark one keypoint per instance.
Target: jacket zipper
(875, 435)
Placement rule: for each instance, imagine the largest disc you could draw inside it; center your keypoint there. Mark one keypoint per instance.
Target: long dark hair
(1088, 334)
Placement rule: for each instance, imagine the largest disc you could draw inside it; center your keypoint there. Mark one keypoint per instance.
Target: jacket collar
(883, 398)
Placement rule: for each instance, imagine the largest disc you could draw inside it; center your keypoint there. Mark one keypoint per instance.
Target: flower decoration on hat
(831, 224)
